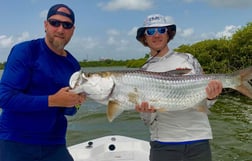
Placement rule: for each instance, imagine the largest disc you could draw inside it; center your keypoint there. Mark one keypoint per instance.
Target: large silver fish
(166, 91)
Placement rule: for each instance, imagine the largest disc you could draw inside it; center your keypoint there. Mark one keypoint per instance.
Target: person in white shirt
(175, 135)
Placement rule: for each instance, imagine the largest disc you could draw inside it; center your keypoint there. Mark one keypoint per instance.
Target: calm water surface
(231, 120)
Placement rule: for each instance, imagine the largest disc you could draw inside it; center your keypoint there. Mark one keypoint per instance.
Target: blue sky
(107, 28)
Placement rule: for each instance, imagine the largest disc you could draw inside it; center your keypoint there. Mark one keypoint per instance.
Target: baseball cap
(54, 11)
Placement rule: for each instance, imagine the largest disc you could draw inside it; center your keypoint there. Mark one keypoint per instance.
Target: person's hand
(213, 89)
(144, 107)
(65, 98)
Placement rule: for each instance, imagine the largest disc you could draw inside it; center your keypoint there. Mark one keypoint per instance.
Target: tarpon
(123, 90)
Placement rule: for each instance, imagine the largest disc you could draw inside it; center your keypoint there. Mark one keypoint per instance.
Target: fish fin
(245, 86)
(133, 97)
(178, 71)
(113, 110)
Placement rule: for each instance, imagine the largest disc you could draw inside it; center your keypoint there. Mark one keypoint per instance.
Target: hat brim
(141, 30)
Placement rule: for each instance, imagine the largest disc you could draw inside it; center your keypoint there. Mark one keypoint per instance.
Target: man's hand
(65, 98)
(213, 89)
(144, 107)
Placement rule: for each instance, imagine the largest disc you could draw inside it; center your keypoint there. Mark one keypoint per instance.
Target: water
(231, 121)
(230, 118)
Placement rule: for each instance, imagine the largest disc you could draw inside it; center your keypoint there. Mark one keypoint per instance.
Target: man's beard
(59, 45)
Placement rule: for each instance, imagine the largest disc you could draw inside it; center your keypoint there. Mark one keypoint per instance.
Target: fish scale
(177, 92)
(166, 91)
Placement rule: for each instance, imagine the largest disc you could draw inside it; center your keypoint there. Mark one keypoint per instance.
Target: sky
(106, 29)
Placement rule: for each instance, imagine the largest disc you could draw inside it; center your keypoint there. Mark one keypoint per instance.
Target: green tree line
(222, 55)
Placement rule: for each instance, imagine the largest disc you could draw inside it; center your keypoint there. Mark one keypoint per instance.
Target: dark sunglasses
(152, 31)
(57, 23)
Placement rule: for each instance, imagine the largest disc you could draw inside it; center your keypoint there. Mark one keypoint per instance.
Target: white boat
(111, 148)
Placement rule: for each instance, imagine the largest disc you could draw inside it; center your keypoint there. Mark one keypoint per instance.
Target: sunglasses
(57, 23)
(152, 31)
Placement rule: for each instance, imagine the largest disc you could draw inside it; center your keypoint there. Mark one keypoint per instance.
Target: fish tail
(245, 77)
(113, 110)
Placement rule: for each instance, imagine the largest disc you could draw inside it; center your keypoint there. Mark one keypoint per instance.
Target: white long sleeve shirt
(177, 126)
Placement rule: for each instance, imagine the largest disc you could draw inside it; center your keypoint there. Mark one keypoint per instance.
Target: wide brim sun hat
(155, 20)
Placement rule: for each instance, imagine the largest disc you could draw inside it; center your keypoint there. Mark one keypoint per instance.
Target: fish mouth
(77, 79)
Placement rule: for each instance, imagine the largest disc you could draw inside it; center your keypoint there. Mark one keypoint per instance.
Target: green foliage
(223, 55)
(2, 65)
(241, 49)
(211, 54)
(102, 63)
(136, 63)
(133, 63)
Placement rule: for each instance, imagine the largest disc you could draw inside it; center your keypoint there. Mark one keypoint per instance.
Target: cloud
(231, 3)
(116, 39)
(5, 41)
(111, 41)
(9, 41)
(228, 31)
(117, 42)
(169, 19)
(88, 43)
(43, 14)
(126, 4)
(188, 36)
(24, 36)
(225, 3)
(113, 32)
(210, 35)
(186, 32)
(133, 31)
(122, 45)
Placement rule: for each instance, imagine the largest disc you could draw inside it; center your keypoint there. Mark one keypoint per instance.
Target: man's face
(156, 38)
(58, 30)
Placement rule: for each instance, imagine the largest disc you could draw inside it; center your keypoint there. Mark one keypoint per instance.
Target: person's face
(58, 30)
(156, 38)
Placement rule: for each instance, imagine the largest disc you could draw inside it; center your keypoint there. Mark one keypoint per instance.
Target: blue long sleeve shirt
(32, 73)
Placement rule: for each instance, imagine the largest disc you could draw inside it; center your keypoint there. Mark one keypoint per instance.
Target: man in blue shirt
(34, 93)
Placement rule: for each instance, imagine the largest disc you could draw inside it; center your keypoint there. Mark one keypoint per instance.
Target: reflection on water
(231, 120)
